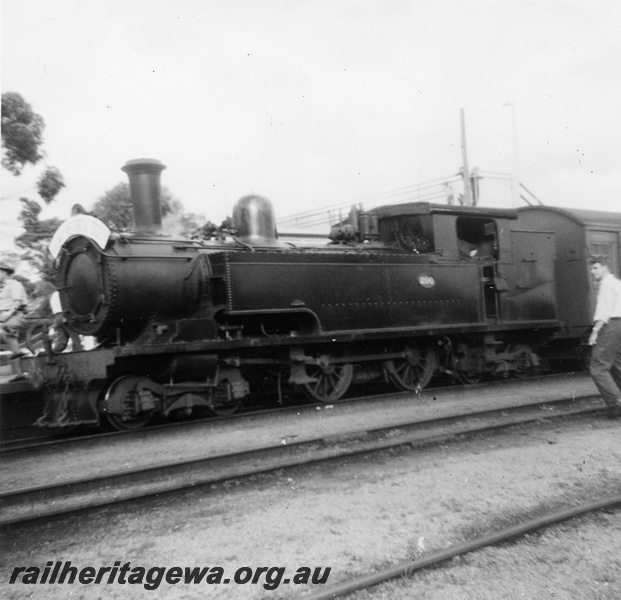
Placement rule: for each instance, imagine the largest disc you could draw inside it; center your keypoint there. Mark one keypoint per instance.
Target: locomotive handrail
(147, 256)
(244, 245)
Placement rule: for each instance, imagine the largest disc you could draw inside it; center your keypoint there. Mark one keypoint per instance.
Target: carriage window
(599, 249)
(477, 237)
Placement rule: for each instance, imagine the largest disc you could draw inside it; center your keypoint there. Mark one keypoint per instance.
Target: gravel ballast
(361, 514)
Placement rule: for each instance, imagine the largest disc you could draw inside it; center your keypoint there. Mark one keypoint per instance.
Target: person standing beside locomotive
(605, 338)
(13, 300)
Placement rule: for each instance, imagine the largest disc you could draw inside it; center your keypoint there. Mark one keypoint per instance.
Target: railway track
(82, 475)
(41, 438)
(83, 436)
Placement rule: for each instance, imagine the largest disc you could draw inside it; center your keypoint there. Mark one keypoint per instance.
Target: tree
(114, 208)
(22, 133)
(22, 138)
(49, 184)
(194, 225)
(36, 238)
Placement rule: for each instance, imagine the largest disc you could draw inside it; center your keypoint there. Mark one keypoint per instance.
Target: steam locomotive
(401, 292)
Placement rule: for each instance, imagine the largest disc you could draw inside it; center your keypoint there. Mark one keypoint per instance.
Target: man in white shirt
(13, 300)
(606, 336)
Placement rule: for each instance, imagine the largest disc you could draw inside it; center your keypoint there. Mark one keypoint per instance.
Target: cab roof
(426, 208)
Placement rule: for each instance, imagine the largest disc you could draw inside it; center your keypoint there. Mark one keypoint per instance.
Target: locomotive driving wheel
(122, 395)
(332, 380)
(414, 371)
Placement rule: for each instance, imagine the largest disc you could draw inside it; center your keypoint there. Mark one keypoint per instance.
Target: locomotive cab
(477, 237)
(476, 234)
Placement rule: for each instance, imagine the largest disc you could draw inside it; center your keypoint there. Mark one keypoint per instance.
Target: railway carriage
(575, 236)
(402, 292)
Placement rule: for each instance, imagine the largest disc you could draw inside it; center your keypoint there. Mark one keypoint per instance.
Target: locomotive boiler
(401, 292)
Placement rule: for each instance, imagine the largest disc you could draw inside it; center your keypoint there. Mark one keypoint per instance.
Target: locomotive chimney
(144, 188)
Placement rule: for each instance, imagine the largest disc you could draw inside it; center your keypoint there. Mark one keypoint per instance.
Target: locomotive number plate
(426, 281)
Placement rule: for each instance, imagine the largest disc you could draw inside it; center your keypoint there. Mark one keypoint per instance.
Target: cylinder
(145, 191)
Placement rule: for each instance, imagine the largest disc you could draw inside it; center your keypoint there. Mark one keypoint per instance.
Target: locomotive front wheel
(122, 394)
(332, 380)
(414, 371)
(119, 424)
(224, 404)
(225, 410)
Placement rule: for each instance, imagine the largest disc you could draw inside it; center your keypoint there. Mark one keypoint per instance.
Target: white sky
(316, 102)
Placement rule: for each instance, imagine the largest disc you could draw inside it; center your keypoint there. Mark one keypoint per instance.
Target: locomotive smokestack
(144, 188)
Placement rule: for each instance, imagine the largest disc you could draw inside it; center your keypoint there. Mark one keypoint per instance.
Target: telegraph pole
(515, 173)
(465, 172)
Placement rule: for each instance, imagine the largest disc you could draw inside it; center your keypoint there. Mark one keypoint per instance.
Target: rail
(277, 450)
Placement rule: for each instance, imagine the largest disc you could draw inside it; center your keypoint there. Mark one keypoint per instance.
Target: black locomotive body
(403, 292)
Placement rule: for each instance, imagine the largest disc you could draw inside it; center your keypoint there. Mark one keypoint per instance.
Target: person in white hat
(13, 300)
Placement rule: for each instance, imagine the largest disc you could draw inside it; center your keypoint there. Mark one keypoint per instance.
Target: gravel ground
(358, 515)
(576, 560)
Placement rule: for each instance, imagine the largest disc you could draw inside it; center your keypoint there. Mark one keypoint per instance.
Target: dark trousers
(606, 362)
